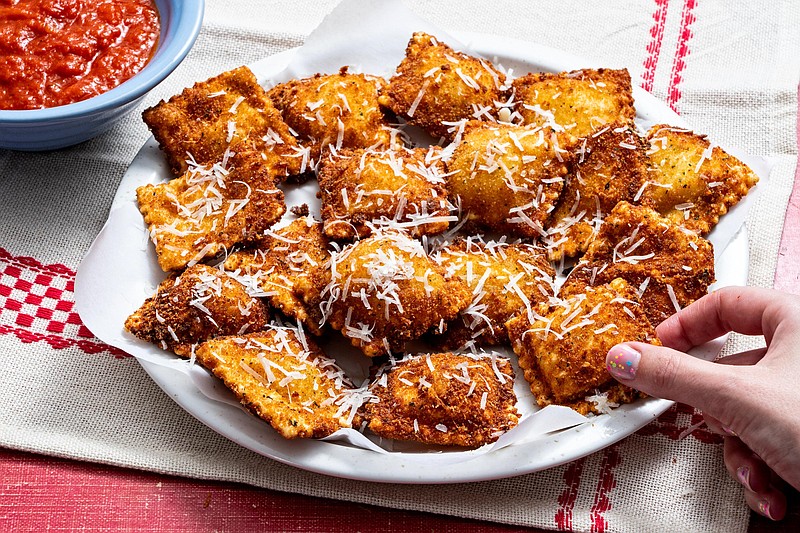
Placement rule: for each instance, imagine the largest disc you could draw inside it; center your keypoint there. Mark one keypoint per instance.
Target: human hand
(750, 397)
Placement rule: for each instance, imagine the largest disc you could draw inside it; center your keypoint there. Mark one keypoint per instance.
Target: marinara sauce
(56, 52)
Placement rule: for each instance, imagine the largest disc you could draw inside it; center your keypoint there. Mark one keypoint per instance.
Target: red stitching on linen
(679, 63)
(37, 305)
(566, 500)
(605, 484)
(673, 424)
(654, 46)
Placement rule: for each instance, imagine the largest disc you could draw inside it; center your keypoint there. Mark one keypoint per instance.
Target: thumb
(669, 374)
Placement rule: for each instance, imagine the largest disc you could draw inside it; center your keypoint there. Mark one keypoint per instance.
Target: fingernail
(729, 431)
(763, 508)
(743, 473)
(622, 362)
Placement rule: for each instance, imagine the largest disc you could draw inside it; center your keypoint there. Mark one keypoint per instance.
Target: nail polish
(729, 431)
(763, 508)
(622, 362)
(743, 473)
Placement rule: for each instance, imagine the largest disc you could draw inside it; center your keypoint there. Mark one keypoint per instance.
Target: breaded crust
(502, 279)
(698, 182)
(282, 378)
(210, 209)
(282, 261)
(507, 178)
(436, 85)
(395, 188)
(562, 347)
(609, 166)
(445, 399)
(652, 254)
(199, 304)
(579, 102)
(224, 112)
(384, 291)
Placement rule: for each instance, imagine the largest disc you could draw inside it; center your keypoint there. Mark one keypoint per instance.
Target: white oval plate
(96, 278)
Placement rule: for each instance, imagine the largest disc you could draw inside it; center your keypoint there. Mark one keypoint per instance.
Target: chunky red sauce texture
(56, 52)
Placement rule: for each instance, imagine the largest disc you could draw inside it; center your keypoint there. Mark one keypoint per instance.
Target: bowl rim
(184, 20)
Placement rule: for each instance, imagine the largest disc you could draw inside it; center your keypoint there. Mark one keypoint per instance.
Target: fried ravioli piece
(199, 304)
(507, 178)
(696, 182)
(444, 398)
(404, 189)
(579, 102)
(562, 346)
(209, 209)
(502, 278)
(339, 110)
(384, 291)
(225, 112)
(609, 167)
(283, 260)
(435, 85)
(670, 266)
(283, 378)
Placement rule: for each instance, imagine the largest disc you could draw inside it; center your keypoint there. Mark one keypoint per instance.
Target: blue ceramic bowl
(58, 127)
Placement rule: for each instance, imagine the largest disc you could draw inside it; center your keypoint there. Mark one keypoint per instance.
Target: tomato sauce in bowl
(57, 52)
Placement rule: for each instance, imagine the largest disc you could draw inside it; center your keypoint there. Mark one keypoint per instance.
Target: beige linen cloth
(730, 68)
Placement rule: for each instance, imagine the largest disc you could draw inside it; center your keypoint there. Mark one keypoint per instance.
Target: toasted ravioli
(209, 209)
(579, 102)
(436, 87)
(223, 113)
(507, 178)
(283, 378)
(401, 189)
(562, 346)
(693, 182)
(384, 291)
(337, 110)
(502, 278)
(445, 399)
(283, 261)
(610, 166)
(669, 266)
(199, 304)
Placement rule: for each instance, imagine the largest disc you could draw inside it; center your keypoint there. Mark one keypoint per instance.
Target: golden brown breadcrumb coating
(562, 346)
(283, 260)
(223, 113)
(401, 189)
(435, 86)
(385, 290)
(283, 378)
(651, 253)
(444, 398)
(210, 209)
(507, 178)
(610, 166)
(199, 304)
(502, 278)
(578, 102)
(696, 182)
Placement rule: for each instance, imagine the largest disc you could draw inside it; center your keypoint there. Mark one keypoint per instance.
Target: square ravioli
(692, 182)
(444, 398)
(502, 278)
(199, 304)
(508, 178)
(400, 189)
(562, 346)
(285, 379)
(385, 291)
(226, 112)
(436, 87)
(209, 209)
(282, 265)
(670, 266)
(334, 112)
(579, 102)
(610, 166)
